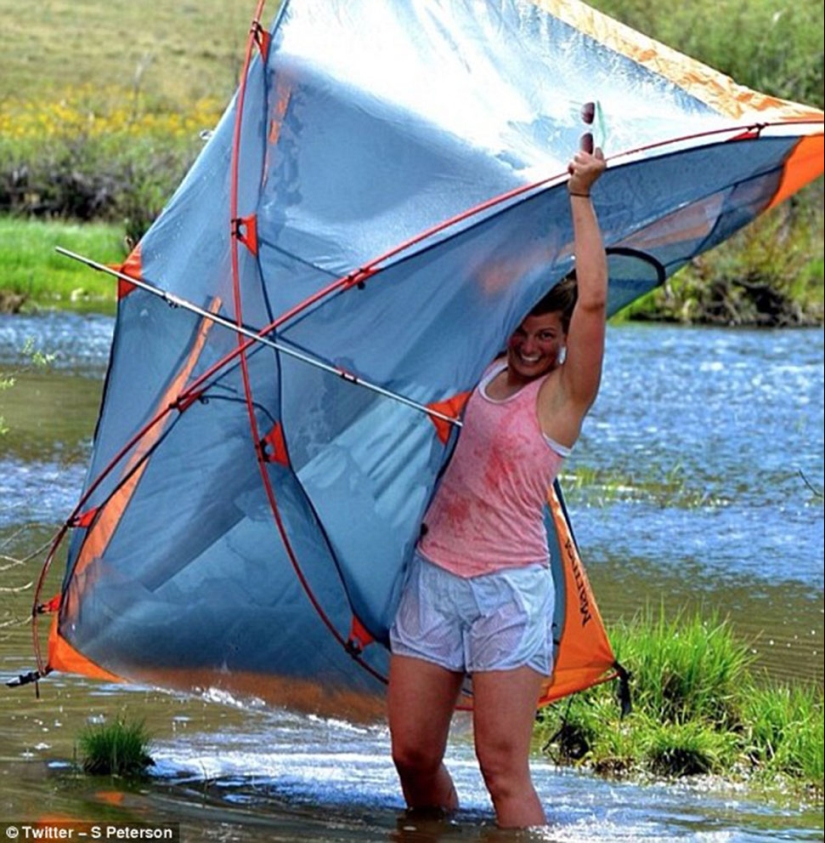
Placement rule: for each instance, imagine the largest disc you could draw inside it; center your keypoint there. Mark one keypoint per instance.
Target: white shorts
(497, 621)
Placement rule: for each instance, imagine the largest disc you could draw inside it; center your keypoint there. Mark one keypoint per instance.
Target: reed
(120, 748)
(588, 486)
(785, 730)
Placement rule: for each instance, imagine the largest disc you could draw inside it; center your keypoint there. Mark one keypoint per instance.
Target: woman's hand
(585, 169)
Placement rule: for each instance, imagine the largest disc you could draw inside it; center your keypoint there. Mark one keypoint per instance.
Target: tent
(382, 202)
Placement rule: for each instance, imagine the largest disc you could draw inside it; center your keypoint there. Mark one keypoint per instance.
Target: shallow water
(707, 446)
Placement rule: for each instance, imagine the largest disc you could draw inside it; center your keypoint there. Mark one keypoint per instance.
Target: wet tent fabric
(384, 195)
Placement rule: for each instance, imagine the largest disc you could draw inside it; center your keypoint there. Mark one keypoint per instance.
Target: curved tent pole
(236, 239)
(373, 267)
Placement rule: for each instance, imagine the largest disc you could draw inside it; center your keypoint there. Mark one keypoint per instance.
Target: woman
(479, 596)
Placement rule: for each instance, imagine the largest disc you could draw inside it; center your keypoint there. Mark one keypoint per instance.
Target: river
(697, 483)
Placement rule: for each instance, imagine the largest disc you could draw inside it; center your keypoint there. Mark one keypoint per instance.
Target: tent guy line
(175, 301)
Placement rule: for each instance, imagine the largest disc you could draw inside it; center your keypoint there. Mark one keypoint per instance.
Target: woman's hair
(560, 299)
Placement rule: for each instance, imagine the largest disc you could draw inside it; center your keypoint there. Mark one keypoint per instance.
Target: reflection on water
(736, 417)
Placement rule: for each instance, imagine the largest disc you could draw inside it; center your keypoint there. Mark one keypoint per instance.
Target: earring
(562, 354)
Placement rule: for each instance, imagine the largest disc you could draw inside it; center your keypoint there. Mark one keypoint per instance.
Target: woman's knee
(503, 768)
(419, 759)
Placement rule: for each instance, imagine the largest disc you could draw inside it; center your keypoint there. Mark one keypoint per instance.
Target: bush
(87, 157)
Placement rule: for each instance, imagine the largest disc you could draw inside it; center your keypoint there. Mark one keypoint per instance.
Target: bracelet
(583, 195)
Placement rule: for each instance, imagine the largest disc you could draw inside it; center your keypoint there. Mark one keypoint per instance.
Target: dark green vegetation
(120, 748)
(698, 709)
(104, 127)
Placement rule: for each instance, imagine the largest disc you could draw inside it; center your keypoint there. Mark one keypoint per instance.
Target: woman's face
(535, 346)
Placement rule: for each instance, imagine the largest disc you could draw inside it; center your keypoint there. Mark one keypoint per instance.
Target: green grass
(785, 730)
(30, 267)
(698, 709)
(120, 748)
(686, 668)
(587, 486)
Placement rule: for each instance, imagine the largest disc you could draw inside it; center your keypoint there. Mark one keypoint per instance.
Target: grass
(105, 128)
(588, 486)
(120, 748)
(174, 53)
(32, 271)
(698, 709)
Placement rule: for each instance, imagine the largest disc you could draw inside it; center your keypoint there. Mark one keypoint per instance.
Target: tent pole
(176, 301)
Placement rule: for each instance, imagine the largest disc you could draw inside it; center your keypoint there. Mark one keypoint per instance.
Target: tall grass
(698, 709)
(686, 668)
(784, 730)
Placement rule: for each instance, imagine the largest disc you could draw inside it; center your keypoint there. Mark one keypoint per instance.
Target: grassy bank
(32, 274)
(766, 275)
(699, 709)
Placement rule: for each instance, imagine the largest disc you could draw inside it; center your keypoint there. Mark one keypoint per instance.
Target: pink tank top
(487, 513)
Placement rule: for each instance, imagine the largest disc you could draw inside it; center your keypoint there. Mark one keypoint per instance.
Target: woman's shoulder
(493, 370)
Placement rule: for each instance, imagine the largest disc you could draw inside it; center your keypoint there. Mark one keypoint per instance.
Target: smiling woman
(247, 775)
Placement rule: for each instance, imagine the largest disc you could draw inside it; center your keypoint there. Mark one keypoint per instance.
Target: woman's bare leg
(420, 703)
(504, 713)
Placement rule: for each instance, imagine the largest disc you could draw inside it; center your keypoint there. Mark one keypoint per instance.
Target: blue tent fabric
(397, 175)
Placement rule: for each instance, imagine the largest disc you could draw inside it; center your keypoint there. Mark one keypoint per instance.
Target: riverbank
(699, 709)
(721, 287)
(33, 276)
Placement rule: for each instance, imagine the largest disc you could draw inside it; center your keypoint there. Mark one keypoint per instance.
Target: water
(723, 429)
(706, 452)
